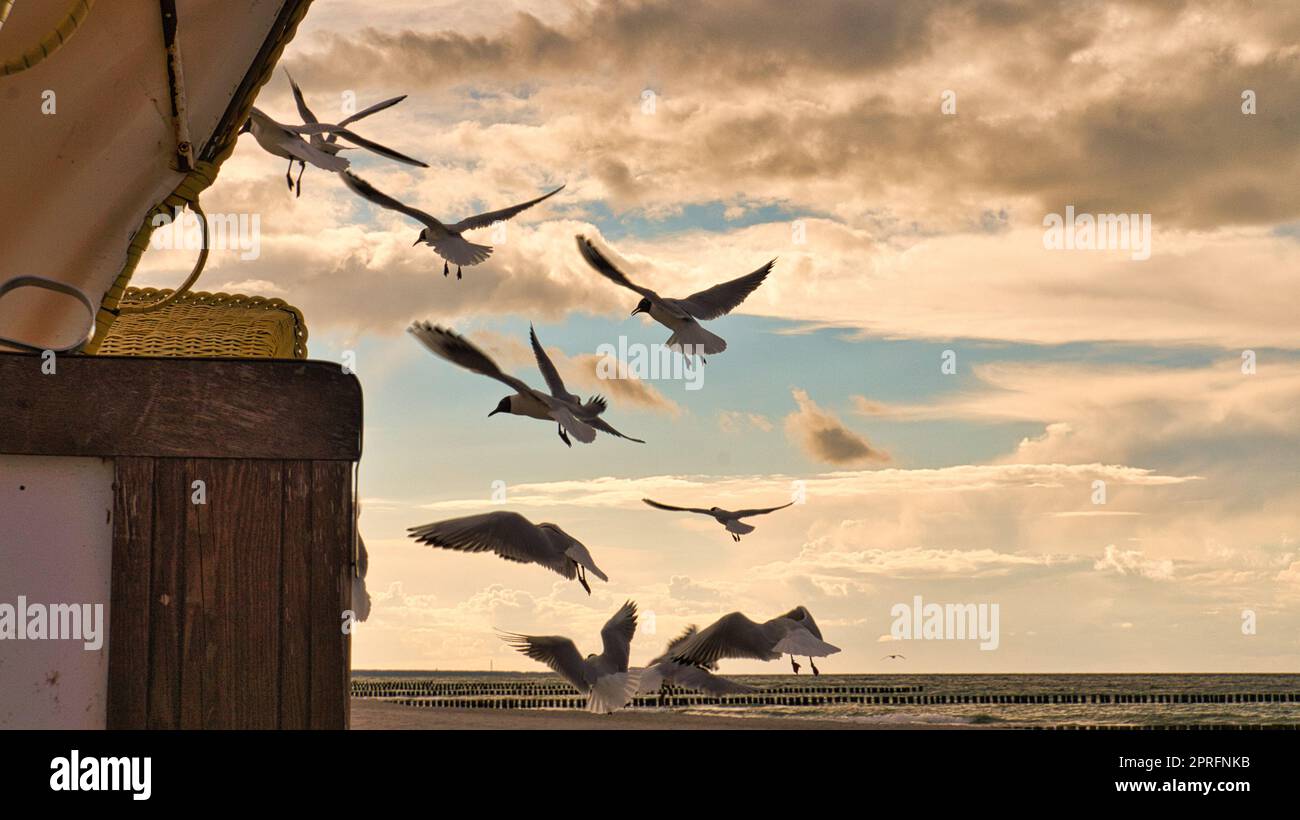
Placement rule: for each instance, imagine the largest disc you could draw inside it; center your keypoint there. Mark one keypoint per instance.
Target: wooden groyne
(827, 696)
(543, 689)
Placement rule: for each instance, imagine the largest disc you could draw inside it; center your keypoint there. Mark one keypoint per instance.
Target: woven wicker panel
(207, 325)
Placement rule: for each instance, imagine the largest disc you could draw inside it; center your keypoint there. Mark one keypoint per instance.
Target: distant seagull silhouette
(604, 678)
(329, 143)
(514, 538)
(572, 419)
(446, 240)
(664, 670)
(727, 518)
(736, 636)
(892, 657)
(286, 141)
(681, 315)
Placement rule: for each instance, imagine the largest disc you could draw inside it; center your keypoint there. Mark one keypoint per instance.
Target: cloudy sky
(899, 160)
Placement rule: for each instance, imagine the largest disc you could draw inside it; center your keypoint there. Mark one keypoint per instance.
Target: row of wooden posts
(381, 689)
(772, 698)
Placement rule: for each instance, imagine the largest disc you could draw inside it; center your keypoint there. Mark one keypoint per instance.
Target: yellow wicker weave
(207, 325)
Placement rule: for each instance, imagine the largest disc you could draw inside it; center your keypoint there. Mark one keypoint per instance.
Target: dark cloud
(825, 438)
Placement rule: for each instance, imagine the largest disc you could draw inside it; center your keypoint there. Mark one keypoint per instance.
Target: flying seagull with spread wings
(514, 538)
(573, 419)
(328, 143)
(735, 636)
(682, 316)
(664, 670)
(286, 142)
(446, 240)
(604, 678)
(727, 518)
(588, 411)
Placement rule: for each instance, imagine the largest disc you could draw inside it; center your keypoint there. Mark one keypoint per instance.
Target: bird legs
(582, 578)
(302, 166)
(815, 670)
(288, 175)
(794, 664)
(735, 537)
(445, 270)
(564, 437)
(458, 271)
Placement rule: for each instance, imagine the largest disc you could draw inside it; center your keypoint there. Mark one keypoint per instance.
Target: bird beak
(246, 127)
(416, 242)
(635, 312)
(493, 413)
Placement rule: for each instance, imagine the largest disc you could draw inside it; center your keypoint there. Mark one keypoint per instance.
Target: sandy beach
(375, 714)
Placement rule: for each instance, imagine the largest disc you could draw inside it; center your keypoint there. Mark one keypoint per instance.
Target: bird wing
(508, 534)
(606, 268)
(722, 299)
(693, 677)
(360, 597)
(483, 220)
(605, 427)
(801, 616)
(573, 548)
(616, 636)
(374, 109)
(566, 418)
(676, 643)
(304, 151)
(731, 636)
(459, 351)
(759, 511)
(303, 110)
(549, 373)
(360, 141)
(659, 506)
(370, 193)
(555, 651)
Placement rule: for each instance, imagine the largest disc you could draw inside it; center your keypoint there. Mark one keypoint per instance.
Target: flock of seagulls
(691, 659)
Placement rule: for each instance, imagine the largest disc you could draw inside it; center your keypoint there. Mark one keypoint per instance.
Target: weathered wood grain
(128, 639)
(167, 593)
(295, 583)
(179, 408)
(330, 592)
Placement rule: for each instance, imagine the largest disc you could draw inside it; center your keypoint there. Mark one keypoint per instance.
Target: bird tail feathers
(803, 642)
(651, 680)
(612, 692)
(460, 251)
(693, 340)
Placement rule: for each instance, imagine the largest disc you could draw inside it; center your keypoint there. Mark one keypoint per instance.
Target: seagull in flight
(577, 420)
(446, 240)
(514, 538)
(328, 143)
(590, 410)
(736, 636)
(893, 657)
(664, 670)
(286, 141)
(604, 678)
(727, 518)
(682, 316)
